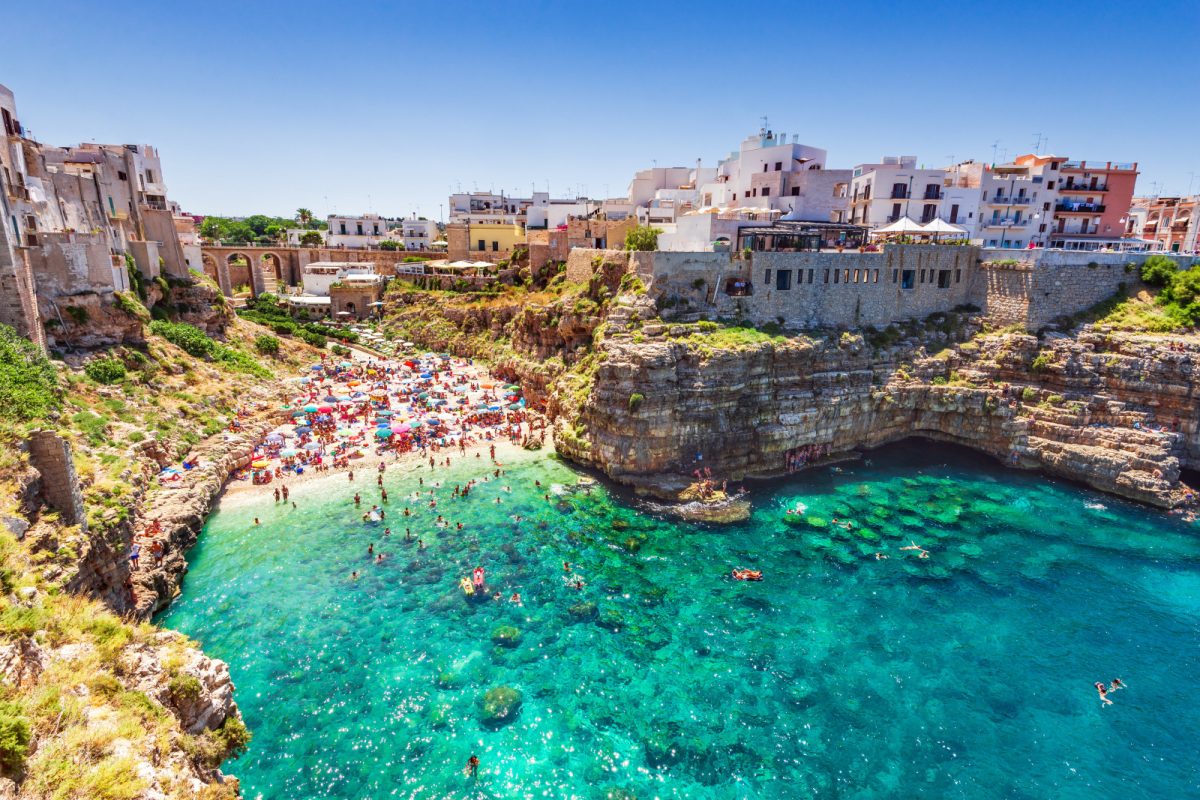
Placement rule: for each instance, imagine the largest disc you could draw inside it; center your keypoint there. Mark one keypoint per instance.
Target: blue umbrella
(317, 367)
(383, 433)
(304, 429)
(493, 408)
(383, 423)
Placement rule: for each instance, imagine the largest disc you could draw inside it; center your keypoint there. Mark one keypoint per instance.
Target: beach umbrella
(329, 399)
(275, 438)
(384, 412)
(493, 408)
(313, 446)
(298, 415)
(383, 423)
(316, 368)
(310, 408)
(383, 433)
(347, 364)
(305, 380)
(325, 409)
(289, 453)
(402, 429)
(302, 429)
(423, 396)
(416, 423)
(261, 463)
(433, 420)
(439, 402)
(427, 375)
(514, 406)
(344, 433)
(512, 387)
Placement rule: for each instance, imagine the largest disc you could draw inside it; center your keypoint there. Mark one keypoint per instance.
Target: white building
(883, 193)
(357, 233)
(418, 234)
(1014, 202)
(320, 275)
(295, 234)
(767, 171)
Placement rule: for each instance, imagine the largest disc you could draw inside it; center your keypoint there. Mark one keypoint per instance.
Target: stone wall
(18, 301)
(582, 262)
(50, 455)
(818, 289)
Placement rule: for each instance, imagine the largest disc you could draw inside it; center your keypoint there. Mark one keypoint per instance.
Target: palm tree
(303, 216)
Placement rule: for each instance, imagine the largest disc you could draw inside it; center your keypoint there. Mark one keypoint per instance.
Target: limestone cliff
(1083, 407)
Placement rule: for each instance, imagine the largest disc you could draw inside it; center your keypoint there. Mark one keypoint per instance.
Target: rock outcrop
(1088, 407)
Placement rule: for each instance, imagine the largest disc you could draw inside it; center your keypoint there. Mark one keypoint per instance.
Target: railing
(1070, 187)
(1079, 208)
(899, 194)
(1006, 222)
(1009, 201)
(933, 196)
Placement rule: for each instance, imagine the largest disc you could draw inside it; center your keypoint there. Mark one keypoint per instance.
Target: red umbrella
(324, 410)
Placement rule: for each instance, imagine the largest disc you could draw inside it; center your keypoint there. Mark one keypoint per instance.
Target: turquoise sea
(965, 675)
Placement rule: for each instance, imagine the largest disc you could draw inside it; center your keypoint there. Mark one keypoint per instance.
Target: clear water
(968, 674)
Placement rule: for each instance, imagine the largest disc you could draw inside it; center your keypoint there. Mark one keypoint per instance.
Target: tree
(389, 244)
(1158, 270)
(642, 237)
(311, 239)
(303, 216)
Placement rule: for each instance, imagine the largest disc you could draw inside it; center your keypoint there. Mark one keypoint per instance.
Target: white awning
(941, 226)
(902, 225)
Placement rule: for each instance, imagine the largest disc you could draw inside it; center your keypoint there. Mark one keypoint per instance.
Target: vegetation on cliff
(92, 706)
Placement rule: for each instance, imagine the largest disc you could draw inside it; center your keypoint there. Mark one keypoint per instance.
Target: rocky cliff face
(1085, 408)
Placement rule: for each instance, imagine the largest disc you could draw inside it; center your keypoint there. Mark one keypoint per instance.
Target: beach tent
(901, 226)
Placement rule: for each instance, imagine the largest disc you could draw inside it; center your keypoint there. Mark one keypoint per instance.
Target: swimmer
(472, 768)
(387, 531)
(379, 558)
(420, 544)
(516, 599)
(256, 522)
(566, 566)
(1116, 684)
(354, 575)
(914, 546)
(880, 556)
(371, 548)
(497, 597)
(1103, 691)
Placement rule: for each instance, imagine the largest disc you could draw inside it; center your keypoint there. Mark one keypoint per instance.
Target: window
(358, 227)
(495, 247)
(482, 245)
(795, 191)
(343, 228)
(836, 274)
(810, 276)
(958, 276)
(1053, 165)
(764, 167)
(943, 279)
(754, 192)
(149, 176)
(907, 279)
(922, 276)
(954, 213)
(747, 194)
(1050, 184)
(895, 275)
(827, 276)
(895, 212)
(778, 166)
(766, 191)
(783, 279)
(767, 277)
(876, 277)
(121, 176)
(845, 276)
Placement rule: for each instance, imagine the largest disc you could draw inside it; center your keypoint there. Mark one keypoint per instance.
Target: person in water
(1103, 691)
(1116, 684)
(477, 577)
(914, 546)
(472, 768)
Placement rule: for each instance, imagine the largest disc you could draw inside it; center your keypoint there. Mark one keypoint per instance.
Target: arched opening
(353, 311)
(239, 273)
(272, 266)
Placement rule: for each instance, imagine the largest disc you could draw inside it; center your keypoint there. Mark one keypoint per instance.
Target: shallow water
(967, 674)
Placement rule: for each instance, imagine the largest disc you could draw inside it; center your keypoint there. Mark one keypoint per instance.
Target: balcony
(899, 194)
(1097, 166)
(1078, 208)
(1005, 222)
(933, 196)
(1070, 187)
(999, 200)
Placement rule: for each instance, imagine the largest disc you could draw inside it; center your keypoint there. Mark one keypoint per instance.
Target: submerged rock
(506, 636)
(500, 705)
(584, 610)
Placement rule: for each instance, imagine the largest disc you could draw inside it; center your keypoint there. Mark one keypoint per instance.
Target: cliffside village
(767, 233)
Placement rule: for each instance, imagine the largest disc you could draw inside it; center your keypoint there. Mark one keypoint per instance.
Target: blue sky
(354, 107)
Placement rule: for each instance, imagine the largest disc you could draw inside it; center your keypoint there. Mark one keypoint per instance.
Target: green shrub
(1158, 270)
(78, 314)
(635, 401)
(235, 736)
(1041, 362)
(14, 737)
(339, 350)
(28, 381)
(266, 344)
(184, 688)
(1029, 394)
(105, 370)
(315, 339)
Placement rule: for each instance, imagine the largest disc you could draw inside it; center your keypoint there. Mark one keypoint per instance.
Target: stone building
(74, 219)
